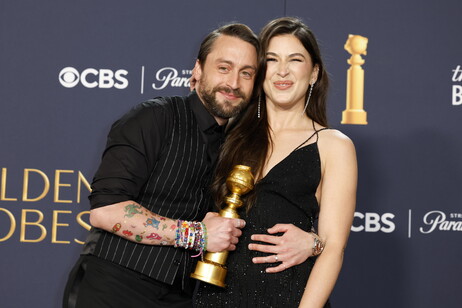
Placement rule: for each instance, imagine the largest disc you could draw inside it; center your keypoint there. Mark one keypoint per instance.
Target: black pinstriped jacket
(176, 187)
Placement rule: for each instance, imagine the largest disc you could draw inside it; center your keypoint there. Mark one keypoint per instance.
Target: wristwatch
(318, 246)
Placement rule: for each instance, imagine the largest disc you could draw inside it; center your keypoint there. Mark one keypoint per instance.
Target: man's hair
(237, 30)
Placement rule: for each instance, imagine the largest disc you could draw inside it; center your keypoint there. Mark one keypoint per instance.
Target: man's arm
(133, 222)
(134, 144)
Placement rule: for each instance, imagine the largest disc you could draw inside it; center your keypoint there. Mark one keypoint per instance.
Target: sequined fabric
(285, 195)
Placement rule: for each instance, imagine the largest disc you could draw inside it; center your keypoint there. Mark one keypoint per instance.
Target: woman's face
(289, 72)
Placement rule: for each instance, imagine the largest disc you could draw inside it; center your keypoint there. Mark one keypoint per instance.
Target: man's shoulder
(157, 109)
(160, 102)
(165, 103)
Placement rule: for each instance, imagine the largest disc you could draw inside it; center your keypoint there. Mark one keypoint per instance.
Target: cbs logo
(373, 222)
(69, 77)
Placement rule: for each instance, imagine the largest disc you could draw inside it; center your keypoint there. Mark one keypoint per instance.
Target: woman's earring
(309, 96)
(258, 108)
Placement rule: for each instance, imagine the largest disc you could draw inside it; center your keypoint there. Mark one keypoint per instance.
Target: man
(149, 197)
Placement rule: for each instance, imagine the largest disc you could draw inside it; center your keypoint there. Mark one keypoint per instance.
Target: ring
(276, 258)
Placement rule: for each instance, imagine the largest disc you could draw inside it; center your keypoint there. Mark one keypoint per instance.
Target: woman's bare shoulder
(334, 137)
(335, 143)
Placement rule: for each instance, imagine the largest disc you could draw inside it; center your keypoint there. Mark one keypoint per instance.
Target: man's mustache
(228, 90)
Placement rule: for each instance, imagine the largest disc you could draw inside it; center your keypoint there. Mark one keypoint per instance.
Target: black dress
(285, 195)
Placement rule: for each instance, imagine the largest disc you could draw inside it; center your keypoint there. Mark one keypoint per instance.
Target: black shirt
(134, 145)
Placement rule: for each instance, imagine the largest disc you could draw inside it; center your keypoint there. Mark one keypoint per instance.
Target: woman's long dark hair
(248, 141)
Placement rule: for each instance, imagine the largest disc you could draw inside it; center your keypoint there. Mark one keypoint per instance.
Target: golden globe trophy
(212, 268)
(354, 113)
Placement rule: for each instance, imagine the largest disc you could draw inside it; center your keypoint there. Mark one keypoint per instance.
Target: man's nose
(233, 80)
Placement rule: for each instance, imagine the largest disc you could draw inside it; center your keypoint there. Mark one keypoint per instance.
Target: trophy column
(212, 269)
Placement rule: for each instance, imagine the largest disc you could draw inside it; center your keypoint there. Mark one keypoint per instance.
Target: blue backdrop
(68, 69)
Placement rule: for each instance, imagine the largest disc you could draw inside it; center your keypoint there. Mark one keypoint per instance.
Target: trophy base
(212, 273)
(354, 116)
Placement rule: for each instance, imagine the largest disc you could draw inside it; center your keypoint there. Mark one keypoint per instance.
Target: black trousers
(94, 282)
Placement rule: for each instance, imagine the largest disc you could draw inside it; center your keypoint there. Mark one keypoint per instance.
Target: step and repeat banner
(69, 69)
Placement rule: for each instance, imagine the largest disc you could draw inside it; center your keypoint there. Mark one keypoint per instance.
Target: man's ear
(197, 71)
(195, 75)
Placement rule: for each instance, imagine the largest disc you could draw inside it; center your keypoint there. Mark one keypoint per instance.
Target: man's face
(225, 81)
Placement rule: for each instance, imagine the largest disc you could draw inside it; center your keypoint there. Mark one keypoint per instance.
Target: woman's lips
(283, 85)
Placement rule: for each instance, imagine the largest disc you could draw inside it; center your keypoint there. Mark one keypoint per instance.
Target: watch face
(317, 247)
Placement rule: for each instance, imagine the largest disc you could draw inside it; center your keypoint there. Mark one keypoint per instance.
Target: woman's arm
(337, 195)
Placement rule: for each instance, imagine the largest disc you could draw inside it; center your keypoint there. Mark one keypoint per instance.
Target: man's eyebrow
(253, 67)
(220, 60)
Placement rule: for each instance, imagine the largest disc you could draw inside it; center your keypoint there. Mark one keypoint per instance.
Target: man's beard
(226, 109)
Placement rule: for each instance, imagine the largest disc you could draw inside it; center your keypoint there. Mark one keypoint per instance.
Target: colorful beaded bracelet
(191, 235)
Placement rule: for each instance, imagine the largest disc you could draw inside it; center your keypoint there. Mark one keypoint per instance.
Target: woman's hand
(290, 249)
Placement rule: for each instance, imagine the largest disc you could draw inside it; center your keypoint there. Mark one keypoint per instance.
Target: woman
(305, 174)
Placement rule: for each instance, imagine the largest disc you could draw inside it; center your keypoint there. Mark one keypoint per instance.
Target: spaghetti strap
(315, 133)
(319, 130)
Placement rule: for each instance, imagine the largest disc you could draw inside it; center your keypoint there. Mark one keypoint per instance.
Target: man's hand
(291, 248)
(222, 233)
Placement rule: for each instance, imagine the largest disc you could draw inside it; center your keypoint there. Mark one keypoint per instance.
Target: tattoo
(116, 227)
(127, 233)
(132, 209)
(152, 222)
(154, 236)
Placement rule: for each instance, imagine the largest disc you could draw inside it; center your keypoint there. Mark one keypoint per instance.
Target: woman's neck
(282, 119)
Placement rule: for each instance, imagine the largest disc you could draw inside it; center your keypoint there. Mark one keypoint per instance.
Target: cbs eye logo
(69, 77)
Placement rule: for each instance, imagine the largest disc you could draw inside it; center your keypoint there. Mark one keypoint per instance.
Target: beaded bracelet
(191, 235)
(204, 237)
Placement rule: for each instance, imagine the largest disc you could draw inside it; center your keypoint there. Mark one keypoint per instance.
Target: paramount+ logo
(439, 221)
(70, 77)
